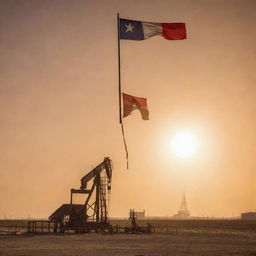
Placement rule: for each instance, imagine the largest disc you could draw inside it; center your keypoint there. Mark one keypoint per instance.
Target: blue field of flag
(131, 30)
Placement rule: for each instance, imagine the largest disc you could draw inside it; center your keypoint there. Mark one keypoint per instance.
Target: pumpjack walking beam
(95, 174)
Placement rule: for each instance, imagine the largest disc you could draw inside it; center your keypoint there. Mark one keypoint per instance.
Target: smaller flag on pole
(132, 103)
(140, 30)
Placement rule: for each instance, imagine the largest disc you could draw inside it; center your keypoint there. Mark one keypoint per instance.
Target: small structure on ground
(135, 228)
(248, 216)
(140, 215)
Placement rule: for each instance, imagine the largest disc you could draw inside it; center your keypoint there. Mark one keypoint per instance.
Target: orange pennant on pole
(132, 103)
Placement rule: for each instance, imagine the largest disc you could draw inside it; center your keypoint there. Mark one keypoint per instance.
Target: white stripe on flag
(151, 29)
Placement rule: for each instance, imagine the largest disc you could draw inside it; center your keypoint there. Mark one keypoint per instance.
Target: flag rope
(125, 146)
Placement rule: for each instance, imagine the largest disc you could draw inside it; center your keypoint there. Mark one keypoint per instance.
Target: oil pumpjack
(93, 214)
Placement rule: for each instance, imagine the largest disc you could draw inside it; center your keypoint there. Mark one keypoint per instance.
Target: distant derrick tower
(183, 211)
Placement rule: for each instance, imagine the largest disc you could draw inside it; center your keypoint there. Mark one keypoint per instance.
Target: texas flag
(140, 30)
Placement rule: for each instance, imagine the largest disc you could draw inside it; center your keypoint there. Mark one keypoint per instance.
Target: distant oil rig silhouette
(183, 212)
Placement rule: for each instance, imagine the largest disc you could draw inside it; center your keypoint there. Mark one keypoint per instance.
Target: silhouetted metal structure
(93, 214)
(135, 228)
(183, 211)
(43, 226)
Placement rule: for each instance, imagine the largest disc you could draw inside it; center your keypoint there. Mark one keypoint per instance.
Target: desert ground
(179, 238)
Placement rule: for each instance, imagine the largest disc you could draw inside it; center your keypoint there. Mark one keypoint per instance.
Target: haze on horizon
(59, 105)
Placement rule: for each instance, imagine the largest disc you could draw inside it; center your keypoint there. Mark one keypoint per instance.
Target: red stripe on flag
(174, 31)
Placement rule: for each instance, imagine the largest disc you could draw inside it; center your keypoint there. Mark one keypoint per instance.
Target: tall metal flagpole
(120, 91)
(119, 70)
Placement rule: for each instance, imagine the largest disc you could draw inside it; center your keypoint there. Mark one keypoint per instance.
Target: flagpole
(119, 71)
(120, 92)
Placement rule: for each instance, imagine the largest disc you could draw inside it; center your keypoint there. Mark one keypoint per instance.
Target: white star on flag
(129, 28)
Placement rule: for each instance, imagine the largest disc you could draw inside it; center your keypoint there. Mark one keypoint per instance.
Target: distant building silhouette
(248, 216)
(140, 215)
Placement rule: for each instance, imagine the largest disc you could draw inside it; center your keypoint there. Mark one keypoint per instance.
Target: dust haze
(59, 105)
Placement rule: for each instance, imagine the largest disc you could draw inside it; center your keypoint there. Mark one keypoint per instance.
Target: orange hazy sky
(59, 105)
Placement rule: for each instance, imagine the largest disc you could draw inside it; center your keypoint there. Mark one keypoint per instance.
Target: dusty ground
(217, 243)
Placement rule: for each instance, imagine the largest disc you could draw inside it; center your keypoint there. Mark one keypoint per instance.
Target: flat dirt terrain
(214, 239)
(188, 243)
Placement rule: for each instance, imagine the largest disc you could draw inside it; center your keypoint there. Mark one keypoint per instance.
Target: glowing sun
(184, 144)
